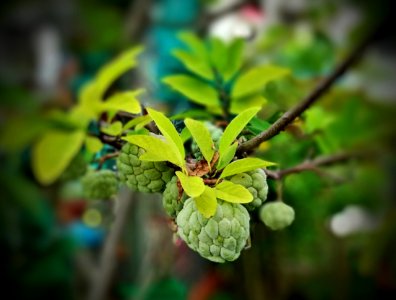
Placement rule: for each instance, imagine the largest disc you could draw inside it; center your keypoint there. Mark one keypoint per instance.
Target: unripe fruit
(100, 185)
(215, 132)
(143, 176)
(170, 199)
(219, 238)
(277, 215)
(256, 182)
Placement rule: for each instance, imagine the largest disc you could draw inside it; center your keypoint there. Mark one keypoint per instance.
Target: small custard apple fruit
(76, 168)
(100, 185)
(277, 215)
(256, 182)
(215, 132)
(142, 176)
(170, 198)
(219, 238)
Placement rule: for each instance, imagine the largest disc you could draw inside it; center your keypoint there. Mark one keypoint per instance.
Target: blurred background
(54, 244)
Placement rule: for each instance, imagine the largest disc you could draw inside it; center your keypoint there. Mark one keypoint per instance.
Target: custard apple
(215, 132)
(219, 238)
(76, 168)
(256, 182)
(143, 176)
(100, 185)
(170, 199)
(277, 215)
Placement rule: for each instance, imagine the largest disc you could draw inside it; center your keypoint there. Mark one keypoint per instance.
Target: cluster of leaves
(217, 164)
(215, 79)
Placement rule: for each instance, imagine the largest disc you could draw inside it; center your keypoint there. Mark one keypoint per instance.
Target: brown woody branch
(102, 159)
(313, 165)
(314, 96)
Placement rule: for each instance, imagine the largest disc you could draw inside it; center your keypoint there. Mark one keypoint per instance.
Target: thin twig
(312, 165)
(315, 95)
(103, 158)
(102, 278)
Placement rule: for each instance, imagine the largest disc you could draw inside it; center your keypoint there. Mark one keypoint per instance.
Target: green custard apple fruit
(142, 176)
(220, 238)
(100, 185)
(76, 168)
(215, 132)
(256, 182)
(170, 198)
(277, 215)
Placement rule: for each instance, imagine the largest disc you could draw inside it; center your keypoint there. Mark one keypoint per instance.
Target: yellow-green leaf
(232, 192)
(194, 64)
(113, 129)
(193, 186)
(255, 80)
(206, 203)
(138, 120)
(124, 101)
(156, 148)
(194, 89)
(202, 136)
(240, 104)
(235, 127)
(194, 43)
(53, 152)
(227, 156)
(245, 165)
(114, 69)
(93, 144)
(168, 130)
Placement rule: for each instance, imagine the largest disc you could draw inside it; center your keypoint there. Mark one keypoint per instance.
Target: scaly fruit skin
(76, 168)
(170, 199)
(215, 132)
(256, 182)
(100, 185)
(277, 215)
(219, 238)
(142, 176)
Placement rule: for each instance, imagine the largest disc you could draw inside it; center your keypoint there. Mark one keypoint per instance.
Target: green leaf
(156, 149)
(93, 144)
(218, 54)
(255, 80)
(227, 156)
(193, 113)
(194, 89)
(194, 64)
(193, 186)
(138, 120)
(257, 125)
(53, 152)
(185, 134)
(124, 101)
(206, 203)
(235, 58)
(202, 136)
(113, 129)
(240, 104)
(114, 69)
(232, 192)
(235, 127)
(245, 165)
(194, 43)
(168, 130)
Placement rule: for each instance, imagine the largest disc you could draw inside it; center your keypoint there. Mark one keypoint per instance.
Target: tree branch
(314, 96)
(311, 165)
